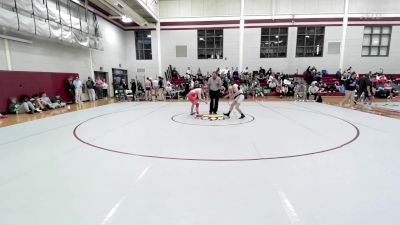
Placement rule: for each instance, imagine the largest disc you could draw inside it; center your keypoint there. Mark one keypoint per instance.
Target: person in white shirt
(47, 102)
(238, 98)
(168, 89)
(246, 70)
(189, 72)
(148, 85)
(78, 90)
(300, 92)
(155, 88)
(105, 89)
(245, 73)
(225, 72)
(313, 90)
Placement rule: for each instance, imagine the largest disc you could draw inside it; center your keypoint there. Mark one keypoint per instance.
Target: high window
(210, 44)
(143, 45)
(376, 41)
(310, 41)
(273, 42)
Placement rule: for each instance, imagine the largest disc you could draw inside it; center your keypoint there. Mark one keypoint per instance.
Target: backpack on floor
(319, 99)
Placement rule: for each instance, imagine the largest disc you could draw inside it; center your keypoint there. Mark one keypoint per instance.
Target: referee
(214, 86)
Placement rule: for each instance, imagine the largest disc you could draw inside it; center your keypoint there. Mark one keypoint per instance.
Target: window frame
(379, 46)
(314, 32)
(141, 37)
(205, 35)
(265, 51)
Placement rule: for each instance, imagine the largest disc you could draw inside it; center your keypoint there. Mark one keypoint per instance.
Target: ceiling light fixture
(126, 19)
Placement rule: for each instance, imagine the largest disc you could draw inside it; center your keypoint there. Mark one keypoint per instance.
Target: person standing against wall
(105, 89)
(214, 86)
(161, 89)
(350, 87)
(78, 90)
(69, 87)
(148, 85)
(90, 87)
(99, 88)
(133, 89)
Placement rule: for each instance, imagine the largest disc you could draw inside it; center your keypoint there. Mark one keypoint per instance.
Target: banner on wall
(76, 22)
(42, 27)
(55, 30)
(26, 24)
(8, 4)
(45, 19)
(39, 8)
(65, 19)
(8, 19)
(80, 38)
(67, 34)
(24, 5)
(54, 13)
(84, 27)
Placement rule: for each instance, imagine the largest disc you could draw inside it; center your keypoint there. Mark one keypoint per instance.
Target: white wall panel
(258, 7)
(47, 56)
(3, 58)
(204, 8)
(353, 57)
(172, 38)
(290, 64)
(373, 6)
(185, 8)
(199, 8)
(309, 6)
(150, 66)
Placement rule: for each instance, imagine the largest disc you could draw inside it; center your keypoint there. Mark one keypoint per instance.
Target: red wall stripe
(386, 19)
(217, 22)
(298, 20)
(200, 28)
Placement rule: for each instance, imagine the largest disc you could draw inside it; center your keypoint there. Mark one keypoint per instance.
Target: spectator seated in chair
(300, 92)
(313, 90)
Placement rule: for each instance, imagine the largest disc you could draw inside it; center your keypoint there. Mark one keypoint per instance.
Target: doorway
(101, 90)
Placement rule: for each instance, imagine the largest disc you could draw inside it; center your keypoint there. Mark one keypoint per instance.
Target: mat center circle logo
(211, 117)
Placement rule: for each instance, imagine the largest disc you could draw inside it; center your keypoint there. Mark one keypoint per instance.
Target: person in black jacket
(366, 88)
(133, 88)
(350, 86)
(69, 87)
(261, 71)
(161, 88)
(90, 85)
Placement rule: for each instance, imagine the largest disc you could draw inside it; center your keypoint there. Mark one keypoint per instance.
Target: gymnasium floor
(150, 163)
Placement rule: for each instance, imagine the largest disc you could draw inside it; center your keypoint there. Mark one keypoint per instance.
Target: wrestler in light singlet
(238, 97)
